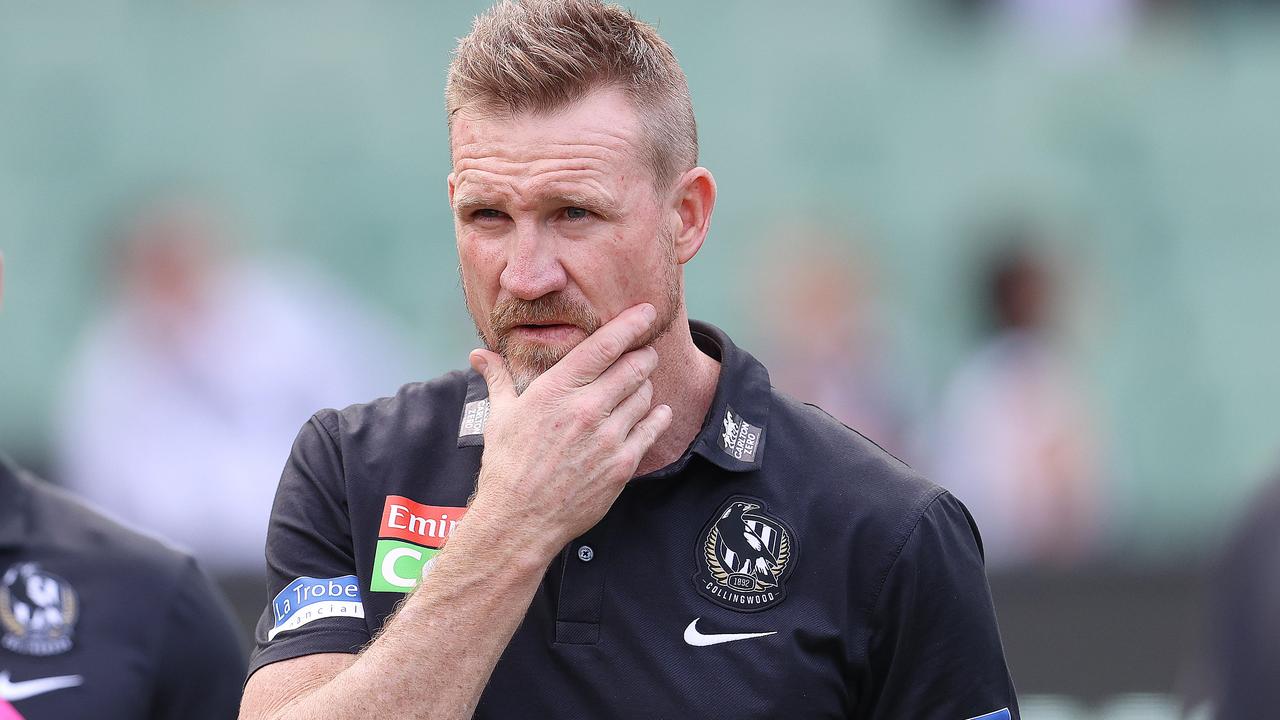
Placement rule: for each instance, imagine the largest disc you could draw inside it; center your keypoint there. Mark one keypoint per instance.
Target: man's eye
(576, 213)
(487, 214)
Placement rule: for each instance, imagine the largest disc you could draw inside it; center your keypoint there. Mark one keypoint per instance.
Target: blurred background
(1030, 246)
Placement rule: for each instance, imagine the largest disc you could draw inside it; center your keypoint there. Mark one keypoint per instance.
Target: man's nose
(533, 264)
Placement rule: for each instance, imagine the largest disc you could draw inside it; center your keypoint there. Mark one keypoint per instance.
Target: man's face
(559, 228)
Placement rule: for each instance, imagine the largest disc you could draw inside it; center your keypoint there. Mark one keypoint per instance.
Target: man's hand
(564, 449)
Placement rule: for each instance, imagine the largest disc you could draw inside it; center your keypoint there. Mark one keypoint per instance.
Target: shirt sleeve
(201, 660)
(936, 652)
(313, 596)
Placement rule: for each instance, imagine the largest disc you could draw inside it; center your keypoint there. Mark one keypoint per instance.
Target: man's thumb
(494, 371)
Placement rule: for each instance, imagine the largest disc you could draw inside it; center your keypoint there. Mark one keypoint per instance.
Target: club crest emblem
(744, 556)
(38, 611)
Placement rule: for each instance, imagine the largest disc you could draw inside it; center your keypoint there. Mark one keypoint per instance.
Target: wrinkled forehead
(603, 125)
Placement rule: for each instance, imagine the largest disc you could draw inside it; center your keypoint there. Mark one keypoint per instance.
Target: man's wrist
(495, 530)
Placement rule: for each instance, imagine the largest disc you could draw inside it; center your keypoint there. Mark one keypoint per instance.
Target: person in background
(97, 620)
(1014, 439)
(1245, 622)
(181, 396)
(827, 342)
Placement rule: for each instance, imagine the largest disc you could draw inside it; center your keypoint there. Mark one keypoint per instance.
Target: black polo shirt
(99, 621)
(784, 566)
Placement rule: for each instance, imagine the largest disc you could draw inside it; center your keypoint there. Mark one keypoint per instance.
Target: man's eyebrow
(599, 205)
(467, 203)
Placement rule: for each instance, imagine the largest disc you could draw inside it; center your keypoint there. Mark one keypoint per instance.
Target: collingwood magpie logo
(38, 611)
(744, 556)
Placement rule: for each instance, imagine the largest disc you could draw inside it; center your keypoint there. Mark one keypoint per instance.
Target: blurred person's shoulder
(80, 590)
(55, 523)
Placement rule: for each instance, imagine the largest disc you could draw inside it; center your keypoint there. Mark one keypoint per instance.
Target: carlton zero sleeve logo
(307, 599)
(410, 537)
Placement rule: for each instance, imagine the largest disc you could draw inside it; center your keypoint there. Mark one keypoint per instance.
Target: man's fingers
(622, 379)
(632, 408)
(648, 430)
(594, 355)
(494, 371)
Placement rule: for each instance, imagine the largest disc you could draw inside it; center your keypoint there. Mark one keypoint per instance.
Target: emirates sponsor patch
(410, 536)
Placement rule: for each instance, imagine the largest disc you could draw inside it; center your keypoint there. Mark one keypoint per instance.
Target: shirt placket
(578, 608)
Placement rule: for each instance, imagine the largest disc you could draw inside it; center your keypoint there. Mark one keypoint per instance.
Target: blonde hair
(541, 55)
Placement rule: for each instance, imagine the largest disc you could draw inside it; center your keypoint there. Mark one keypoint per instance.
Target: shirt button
(585, 553)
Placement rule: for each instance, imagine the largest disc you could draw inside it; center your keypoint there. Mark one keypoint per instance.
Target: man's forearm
(434, 657)
(565, 447)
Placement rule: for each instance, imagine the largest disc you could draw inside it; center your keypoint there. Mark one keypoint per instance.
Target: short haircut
(543, 55)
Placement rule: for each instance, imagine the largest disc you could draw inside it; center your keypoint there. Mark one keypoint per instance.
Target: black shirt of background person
(99, 621)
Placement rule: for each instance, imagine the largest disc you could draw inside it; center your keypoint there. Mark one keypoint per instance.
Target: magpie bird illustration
(34, 598)
(746, 551)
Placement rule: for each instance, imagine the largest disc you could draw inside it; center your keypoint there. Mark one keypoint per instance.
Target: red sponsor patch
(428, 525)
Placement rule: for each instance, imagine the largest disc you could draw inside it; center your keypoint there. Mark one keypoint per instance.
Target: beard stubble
(526, 361)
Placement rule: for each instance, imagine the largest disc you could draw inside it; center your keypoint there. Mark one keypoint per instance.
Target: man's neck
(685, 380)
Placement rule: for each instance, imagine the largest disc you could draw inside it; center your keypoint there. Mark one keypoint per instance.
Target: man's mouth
(547, 332)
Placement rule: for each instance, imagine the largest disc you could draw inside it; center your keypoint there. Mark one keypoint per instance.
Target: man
(612, 515)
(99, 621)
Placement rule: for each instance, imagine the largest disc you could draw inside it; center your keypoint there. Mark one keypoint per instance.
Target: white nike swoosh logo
(31, 688)
(697, 639)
